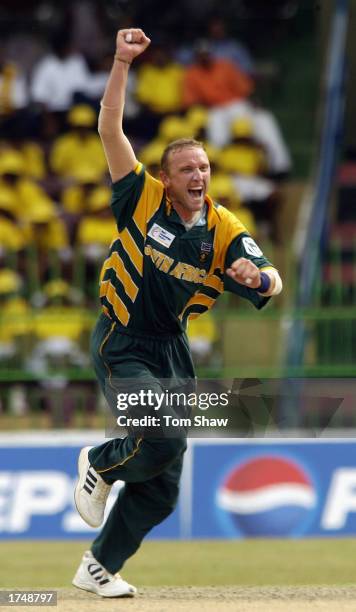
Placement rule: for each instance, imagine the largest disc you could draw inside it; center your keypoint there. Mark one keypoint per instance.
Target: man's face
(187, 179)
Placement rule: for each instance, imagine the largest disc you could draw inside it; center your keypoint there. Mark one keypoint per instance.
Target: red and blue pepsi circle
(268, 496)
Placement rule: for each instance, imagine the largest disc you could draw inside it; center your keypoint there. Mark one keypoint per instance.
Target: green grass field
(200, 563)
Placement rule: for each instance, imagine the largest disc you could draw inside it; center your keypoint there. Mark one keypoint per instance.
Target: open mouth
(196, 193)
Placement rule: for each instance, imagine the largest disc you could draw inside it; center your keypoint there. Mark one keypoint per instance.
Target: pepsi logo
(268, 496)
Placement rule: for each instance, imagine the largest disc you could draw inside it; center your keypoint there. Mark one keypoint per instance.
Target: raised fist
(130, 43)
(245, 272)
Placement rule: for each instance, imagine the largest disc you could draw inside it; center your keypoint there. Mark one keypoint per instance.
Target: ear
(164, 178)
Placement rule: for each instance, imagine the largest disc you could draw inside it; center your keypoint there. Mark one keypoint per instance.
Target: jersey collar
(212, 216)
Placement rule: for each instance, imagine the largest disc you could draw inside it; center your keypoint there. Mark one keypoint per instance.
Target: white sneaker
(91, 492)
(92, 576)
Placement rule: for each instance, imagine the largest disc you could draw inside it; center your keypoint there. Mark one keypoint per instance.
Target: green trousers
(149, 465)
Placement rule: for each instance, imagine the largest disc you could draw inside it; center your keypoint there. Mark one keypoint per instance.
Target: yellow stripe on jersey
(198, 299)
(214, 282)
(115, 262)
(107, 290)
(148, 202)
(213, 216)
(131, 248)
(229, 228)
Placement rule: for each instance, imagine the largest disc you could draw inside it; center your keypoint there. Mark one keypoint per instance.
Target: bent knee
(159, 454)
(173, 448)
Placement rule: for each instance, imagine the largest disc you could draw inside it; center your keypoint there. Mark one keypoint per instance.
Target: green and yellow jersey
(158, 275)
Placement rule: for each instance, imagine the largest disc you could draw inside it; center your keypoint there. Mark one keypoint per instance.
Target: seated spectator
(56, 79)
(60, 312)
(244, 155)
(24, 192)
(246, 160)
(48, 232)
(159, 88)
(222, 47)
(15, 320)
(80, 147)
(15, 333)
(224, 90)
(49, 245)
(13, 236)
(61, 325)
(214, 82)
(247, 163)
(159, 82)
(34, 159)
(74, 197)
(96, 231)
(172, 128)
(197, 117)
(98, 227)
(13, 100)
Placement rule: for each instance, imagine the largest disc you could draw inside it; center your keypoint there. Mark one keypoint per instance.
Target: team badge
(161, 235)
(251, 247)
(205, 249)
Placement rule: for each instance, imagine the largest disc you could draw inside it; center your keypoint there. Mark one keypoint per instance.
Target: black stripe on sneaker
(87, 489)
(92, 476)
(89, 483)
(104, 581)
(97, 570)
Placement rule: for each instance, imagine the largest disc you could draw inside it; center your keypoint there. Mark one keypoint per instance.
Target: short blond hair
(177, 145)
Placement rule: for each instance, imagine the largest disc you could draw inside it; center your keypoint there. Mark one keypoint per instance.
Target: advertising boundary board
(230, 488)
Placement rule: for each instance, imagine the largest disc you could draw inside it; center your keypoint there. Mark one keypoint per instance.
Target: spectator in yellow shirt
(13, 236)
(23, 191)
(15, 320)
(159, 88)
(97, 229)
(80, 146)
(95, 233)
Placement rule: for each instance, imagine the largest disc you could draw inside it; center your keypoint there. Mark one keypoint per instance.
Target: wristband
(119, 59)
(265, 283)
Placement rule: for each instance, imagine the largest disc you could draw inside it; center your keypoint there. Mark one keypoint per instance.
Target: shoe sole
(91, 589)
(83, 457)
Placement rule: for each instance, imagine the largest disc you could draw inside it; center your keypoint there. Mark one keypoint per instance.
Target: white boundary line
(85, 437)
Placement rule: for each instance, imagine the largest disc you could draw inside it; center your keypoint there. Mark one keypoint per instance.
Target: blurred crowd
(55, 222)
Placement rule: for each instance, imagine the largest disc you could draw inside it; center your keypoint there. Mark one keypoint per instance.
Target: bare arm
(118, 150)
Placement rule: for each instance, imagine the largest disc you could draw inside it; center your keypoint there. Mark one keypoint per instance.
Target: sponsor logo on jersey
(161, 235)
(268, 496)
(251, 247)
